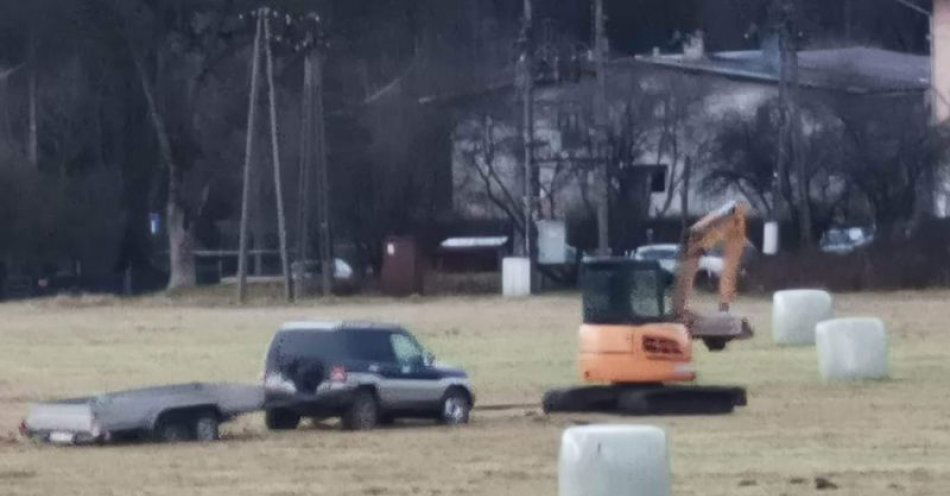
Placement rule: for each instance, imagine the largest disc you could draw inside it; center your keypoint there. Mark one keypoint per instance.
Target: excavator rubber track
(645, 400)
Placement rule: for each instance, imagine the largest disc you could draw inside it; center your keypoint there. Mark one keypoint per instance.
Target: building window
(658, 179)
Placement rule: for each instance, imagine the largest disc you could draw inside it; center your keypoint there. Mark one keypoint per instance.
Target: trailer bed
(156, 412)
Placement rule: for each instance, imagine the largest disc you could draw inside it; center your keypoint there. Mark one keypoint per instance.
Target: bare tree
(182, 44)
(889, 159)
(682, 136)
(483, 142)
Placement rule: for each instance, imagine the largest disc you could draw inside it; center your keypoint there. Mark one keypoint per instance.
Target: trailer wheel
(715, 344)
(171, 431)
(206, 428)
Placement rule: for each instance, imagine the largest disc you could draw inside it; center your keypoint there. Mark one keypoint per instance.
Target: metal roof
(474, 242)
(857, 70)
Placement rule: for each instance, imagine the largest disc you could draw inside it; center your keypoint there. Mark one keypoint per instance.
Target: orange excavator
(637, 331)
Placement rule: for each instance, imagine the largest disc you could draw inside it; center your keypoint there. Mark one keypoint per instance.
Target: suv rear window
(291, 345)
(369, 345)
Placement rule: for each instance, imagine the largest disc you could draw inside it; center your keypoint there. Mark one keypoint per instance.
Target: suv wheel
(363, 413)
(455, 408)
(281, 420)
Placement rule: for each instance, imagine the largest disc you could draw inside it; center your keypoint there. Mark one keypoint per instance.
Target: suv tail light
(338, 374)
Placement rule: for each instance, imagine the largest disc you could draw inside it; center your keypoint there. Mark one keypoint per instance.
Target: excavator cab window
(623, 291)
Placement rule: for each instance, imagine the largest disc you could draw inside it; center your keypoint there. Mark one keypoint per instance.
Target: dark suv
(364, 373)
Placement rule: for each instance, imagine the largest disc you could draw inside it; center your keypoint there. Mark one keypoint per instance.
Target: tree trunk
(181, 246)
(180, 229)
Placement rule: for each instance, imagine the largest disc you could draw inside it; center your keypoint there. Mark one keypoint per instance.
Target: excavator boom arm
(726, 225)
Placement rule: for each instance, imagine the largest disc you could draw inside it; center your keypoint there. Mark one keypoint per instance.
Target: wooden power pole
(275, 153)
(328, 267)
(262, 30)
(789, 133)
(306, 154)
(530, 184)
(313, 131)
(248, 153)
(527, 74)
(600, 124)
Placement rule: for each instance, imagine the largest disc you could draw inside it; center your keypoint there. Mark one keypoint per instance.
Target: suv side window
(407, 351)
(371, 346)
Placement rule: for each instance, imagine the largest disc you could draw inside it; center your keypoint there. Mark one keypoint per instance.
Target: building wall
(941, 79)
(941, 91)
(576, 190)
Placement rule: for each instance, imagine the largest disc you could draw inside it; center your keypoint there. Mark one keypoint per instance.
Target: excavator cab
(628, 334)
(623, 291)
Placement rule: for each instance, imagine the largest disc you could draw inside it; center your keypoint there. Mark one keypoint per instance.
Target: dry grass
(888, 437)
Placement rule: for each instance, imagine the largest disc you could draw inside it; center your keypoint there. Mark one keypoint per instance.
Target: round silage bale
(609, 460)
(852, 349)
(795, 313)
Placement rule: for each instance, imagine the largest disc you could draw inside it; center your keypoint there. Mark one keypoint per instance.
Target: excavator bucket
(718, 328)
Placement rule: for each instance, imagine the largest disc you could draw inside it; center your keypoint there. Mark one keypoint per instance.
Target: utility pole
(323, 185)
(793, 122)
(788, 147)
(527, 76)
(600, 124)
(306, 155)
(313, 129)
(248, 153)
(275, 154)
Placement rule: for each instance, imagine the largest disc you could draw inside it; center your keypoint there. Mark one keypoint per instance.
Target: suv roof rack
(311, 325)
(336, 325)
(367, 324)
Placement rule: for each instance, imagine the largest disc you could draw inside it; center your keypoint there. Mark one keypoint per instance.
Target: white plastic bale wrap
(614, 460)
(770, 238)
(795, 313)
(515, 276)
(552, 242)
(852, 349)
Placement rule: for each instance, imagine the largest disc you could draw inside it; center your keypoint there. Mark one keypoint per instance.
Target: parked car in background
(667, 255)
(364, 373)
(307, 275)
(845, 239)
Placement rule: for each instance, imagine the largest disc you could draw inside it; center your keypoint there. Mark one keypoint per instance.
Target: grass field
(879, 438)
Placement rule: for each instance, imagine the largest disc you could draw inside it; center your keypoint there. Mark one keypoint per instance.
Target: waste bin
(402, 273)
